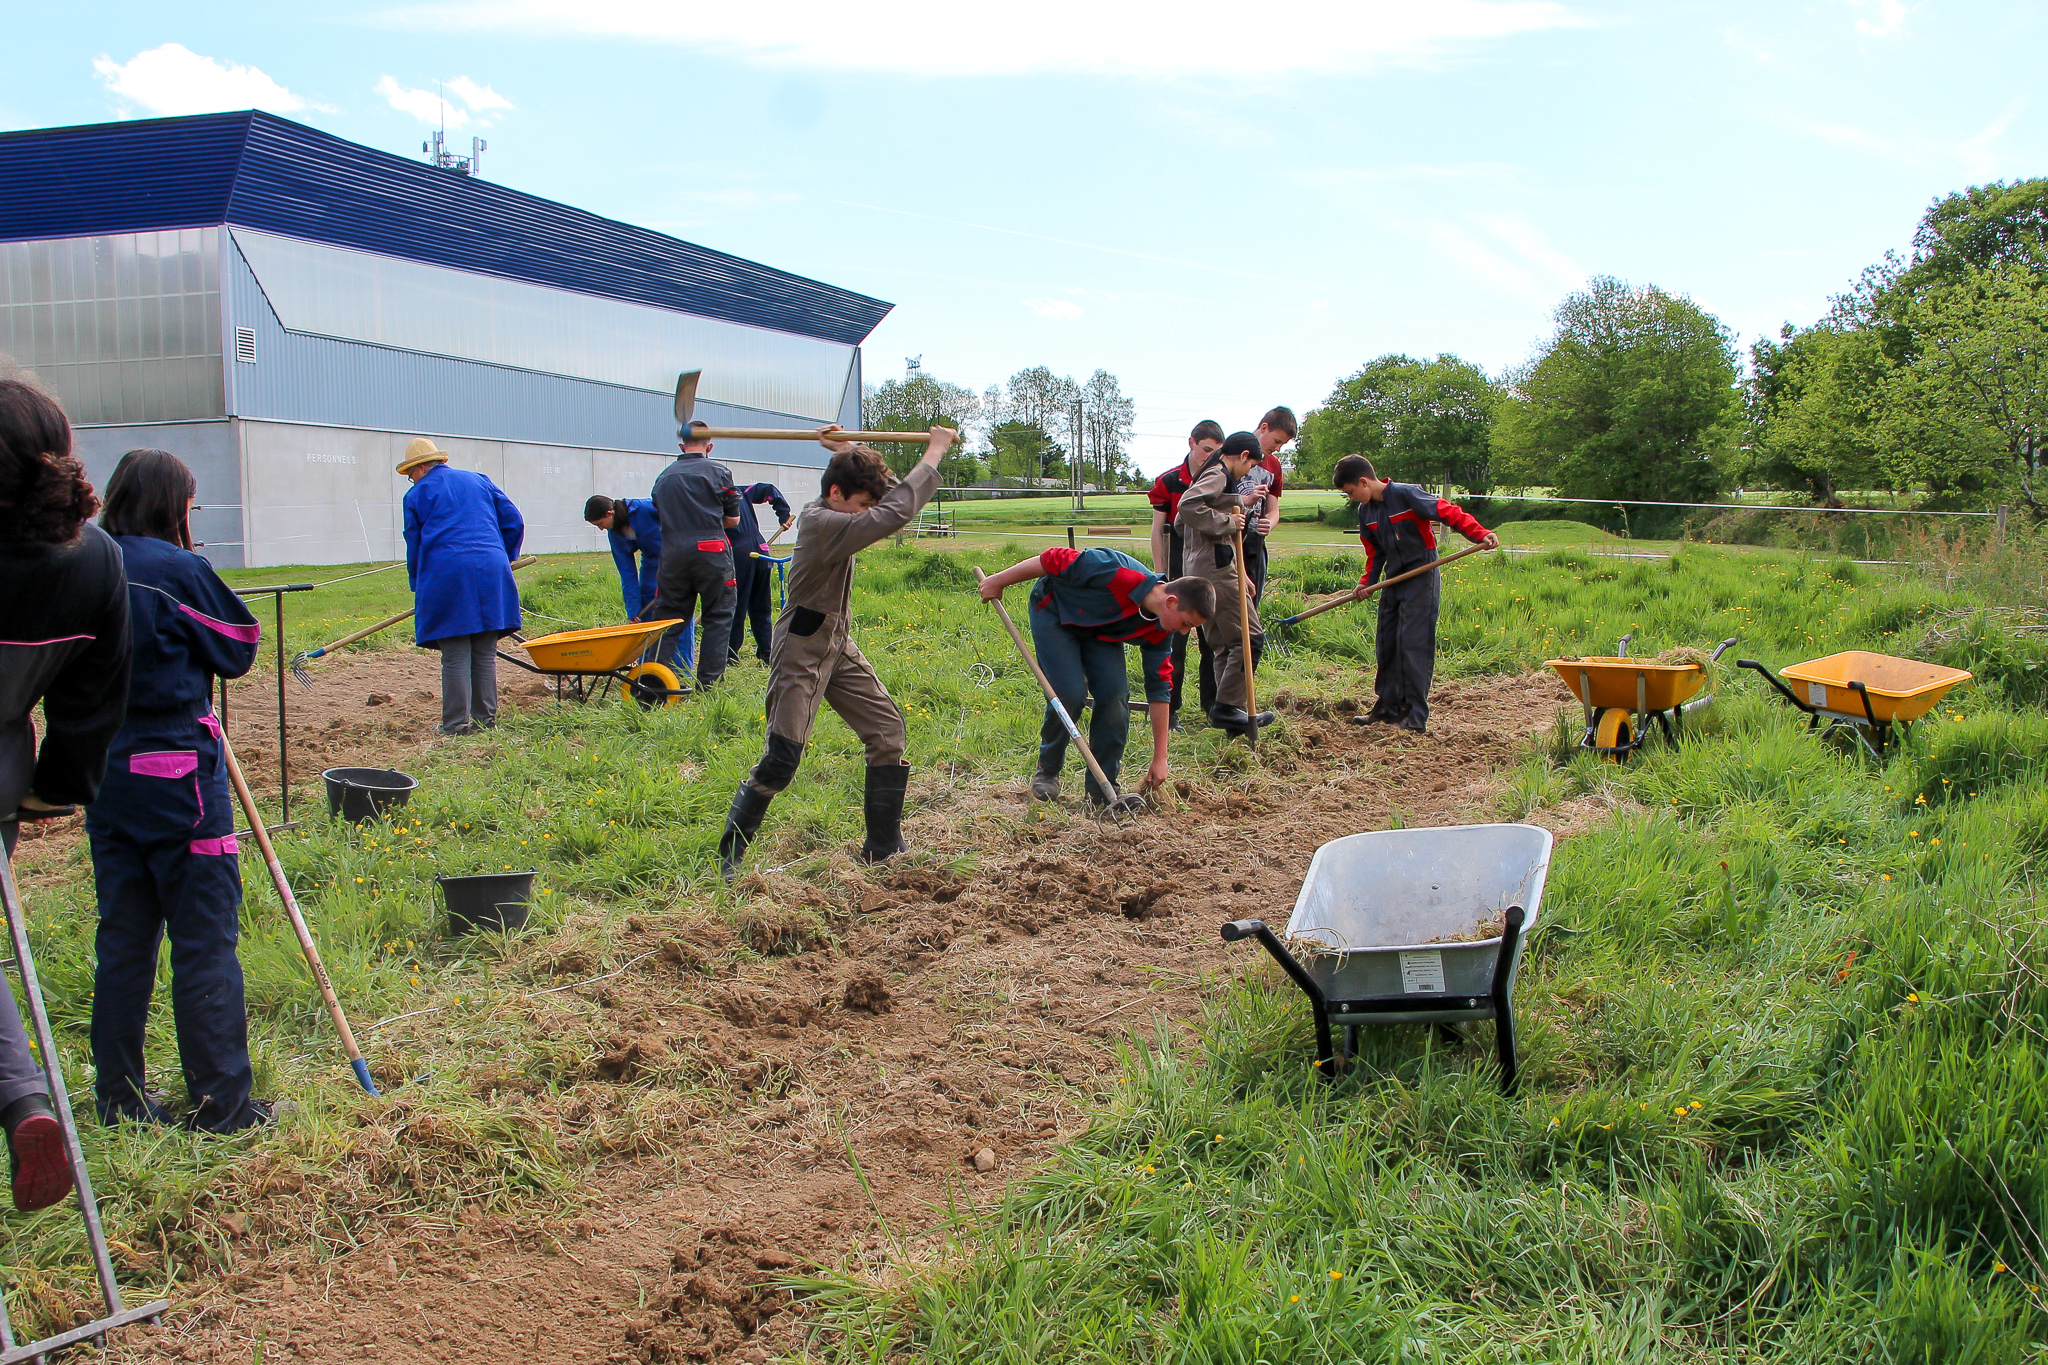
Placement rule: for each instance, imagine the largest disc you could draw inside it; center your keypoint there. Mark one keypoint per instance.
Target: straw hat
(421, 451)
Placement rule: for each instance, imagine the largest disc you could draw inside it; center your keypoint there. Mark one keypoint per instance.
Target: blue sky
(1227, 206)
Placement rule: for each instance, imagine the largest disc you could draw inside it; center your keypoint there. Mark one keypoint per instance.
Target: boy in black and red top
(1394, 526)
(1086, 607)
(1275, 430)
(1167, 551)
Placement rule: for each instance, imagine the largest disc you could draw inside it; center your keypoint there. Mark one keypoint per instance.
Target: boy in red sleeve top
(1394, 526)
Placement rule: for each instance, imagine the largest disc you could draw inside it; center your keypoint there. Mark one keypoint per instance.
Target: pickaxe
(686, 407)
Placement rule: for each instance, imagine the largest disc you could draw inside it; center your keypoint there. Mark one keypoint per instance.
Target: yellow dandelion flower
(1886, 875)
(1913, 997)
(1336, 1275)
(1294, 1298)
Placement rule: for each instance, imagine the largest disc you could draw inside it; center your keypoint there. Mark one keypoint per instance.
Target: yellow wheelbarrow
(1863, 693)
(1623, 697)
(585, 663)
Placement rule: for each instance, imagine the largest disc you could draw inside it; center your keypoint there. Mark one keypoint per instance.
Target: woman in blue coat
(163, 828)
(461, 535)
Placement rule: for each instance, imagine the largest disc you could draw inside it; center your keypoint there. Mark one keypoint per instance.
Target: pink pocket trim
(217, 848)
(167, 763)
(212, 723)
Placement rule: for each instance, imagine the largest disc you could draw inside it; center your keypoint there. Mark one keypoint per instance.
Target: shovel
(686, 406)
(1119, 804)
(304, 657)
(1282, 629)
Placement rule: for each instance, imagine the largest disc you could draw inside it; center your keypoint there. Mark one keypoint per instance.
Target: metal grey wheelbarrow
(1412, 926)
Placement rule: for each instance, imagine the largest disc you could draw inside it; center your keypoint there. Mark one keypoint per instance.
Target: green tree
(1967, 411)
(1421, 421)
(1809, 401)
(1634, 397)
(918, 403)
(1024, 451)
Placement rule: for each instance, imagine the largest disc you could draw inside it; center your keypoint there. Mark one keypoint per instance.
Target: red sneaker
(42, 1168)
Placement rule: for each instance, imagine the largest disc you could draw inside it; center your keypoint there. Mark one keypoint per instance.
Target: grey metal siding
(213, 453)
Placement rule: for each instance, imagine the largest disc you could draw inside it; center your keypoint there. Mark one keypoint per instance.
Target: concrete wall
(212, 452)
(329, 495)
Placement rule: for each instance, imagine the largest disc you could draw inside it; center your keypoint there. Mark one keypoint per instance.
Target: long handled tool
(116, 1314)
(291, 909)
(1348, 598)
(1117, 800)
(686, 407)
(1244, 630)
(304, 657)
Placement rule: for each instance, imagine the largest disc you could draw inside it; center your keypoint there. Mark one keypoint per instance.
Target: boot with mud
(1045, 786)
(742, 823)
(884, 810)
(40, 1166)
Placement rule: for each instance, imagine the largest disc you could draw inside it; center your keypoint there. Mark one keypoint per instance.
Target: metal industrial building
(285, 309)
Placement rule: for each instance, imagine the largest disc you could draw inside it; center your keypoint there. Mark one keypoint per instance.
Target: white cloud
(173, 79)
(1203, 38)
(1504, 250)
(1890, 17)
(424, 105)
(480, 98)
(1976, 155)
(1064, 310)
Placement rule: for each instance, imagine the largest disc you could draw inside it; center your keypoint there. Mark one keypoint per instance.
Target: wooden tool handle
(367, 631)
(291, 909)
(1244, 630)
(1348, 598)
(803, 434)
(1052, 697)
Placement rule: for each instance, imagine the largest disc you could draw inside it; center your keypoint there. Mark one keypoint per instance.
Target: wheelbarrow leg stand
(1319, 1005)
(1503, 1013)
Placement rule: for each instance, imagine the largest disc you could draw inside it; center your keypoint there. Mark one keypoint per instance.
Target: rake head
(299, 669)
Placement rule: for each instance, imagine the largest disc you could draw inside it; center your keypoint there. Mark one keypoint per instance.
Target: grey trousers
(469, 682)
(19, 1073)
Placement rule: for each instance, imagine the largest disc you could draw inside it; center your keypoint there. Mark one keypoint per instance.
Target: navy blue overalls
(1397, 537)
(164, 849)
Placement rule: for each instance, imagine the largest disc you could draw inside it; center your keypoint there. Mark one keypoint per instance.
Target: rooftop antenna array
(912, 364)
(435, 149)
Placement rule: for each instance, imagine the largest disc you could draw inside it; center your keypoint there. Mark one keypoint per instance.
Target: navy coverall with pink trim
(164, 849)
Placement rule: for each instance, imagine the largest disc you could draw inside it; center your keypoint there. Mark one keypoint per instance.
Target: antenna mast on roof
(912, 364)
(436, 150)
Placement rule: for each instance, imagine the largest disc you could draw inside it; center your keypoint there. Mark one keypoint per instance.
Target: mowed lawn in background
(1858, 1163)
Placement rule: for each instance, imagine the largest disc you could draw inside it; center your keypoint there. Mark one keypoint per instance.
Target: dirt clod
(867, 994)
(985, 1160)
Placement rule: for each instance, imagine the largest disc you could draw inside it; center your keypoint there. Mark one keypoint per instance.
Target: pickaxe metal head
(686, 400)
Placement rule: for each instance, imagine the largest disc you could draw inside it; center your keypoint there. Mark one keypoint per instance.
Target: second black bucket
(360, 794)
(490, 900)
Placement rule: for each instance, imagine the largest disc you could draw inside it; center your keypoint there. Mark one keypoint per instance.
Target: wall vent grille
(245, 345)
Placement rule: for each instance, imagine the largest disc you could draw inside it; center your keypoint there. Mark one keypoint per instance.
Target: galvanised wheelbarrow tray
(1622, 696)
(1866, 694)
(1371, 938)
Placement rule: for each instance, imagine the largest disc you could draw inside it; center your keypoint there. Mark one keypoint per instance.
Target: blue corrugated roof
(261, 171)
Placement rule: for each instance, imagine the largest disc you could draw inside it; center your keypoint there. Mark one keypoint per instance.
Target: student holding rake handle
(1211, 515)
(1086, 606)
(813, 658)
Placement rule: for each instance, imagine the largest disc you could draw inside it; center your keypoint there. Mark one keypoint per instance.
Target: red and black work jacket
(1396, 530)
(1165, 496)
(1100, 593)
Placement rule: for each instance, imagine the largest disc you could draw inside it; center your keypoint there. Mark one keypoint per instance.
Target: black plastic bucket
(488, 900)
(359, 794)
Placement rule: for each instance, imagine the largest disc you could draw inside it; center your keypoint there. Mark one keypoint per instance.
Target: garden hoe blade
(686, 397)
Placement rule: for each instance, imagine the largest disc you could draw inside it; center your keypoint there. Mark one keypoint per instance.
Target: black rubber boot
(884, 810)
(742, 822)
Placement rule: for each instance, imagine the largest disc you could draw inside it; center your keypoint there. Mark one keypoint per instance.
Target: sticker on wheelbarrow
(1817, 694)
(1422, 972)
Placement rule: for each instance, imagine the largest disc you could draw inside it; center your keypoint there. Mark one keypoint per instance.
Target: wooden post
(2001, 523)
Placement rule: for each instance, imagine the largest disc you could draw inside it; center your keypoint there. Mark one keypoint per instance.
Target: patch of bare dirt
(922, 1037)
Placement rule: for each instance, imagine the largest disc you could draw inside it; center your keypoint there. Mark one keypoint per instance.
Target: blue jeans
(1075, 664)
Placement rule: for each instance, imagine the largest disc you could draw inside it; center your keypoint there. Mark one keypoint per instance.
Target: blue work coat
(461, 535)
(638, 584)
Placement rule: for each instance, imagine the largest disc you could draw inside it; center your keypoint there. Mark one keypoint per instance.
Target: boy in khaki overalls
(812, 656)
(1210, 514)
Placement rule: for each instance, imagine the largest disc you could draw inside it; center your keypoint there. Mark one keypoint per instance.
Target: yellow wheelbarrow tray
(1868, 694)
(1623, 697)
(587, 662)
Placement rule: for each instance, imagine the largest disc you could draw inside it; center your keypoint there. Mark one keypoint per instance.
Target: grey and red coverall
(1397, 536)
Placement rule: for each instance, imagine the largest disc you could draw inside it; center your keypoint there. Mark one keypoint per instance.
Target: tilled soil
(950, 1032)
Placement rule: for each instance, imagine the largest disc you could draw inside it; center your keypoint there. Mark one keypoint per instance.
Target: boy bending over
(812, 657)
(1087, 605)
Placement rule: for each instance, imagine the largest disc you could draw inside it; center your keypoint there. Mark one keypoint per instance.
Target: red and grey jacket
(1100, 593)
(1396, 530)
(1166, 492)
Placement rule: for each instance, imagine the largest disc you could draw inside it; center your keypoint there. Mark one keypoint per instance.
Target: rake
(304, 657)
(1282, 632)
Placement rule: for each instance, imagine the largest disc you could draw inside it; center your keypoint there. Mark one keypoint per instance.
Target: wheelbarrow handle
(1774, 681)
(1722, 648)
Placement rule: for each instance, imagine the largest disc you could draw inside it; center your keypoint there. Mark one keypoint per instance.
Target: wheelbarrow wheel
(1612, 731)
(654, 685)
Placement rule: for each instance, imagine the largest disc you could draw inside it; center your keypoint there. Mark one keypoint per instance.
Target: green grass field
(1839, 985)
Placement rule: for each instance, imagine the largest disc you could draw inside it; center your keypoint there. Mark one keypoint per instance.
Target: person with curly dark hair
(64, 642)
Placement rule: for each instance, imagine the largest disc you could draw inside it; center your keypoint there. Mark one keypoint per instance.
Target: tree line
(1928, 376)
(1037, 426)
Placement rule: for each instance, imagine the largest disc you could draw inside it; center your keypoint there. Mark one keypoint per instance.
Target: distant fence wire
(1730, 506)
